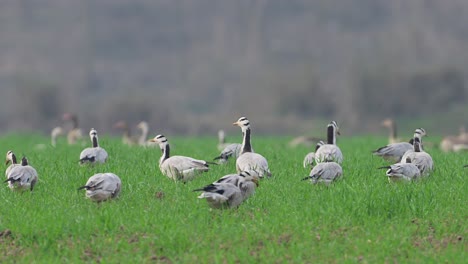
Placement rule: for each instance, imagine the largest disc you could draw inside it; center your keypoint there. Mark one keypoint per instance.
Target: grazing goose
(405, 171)
(10, 157)
(231, 150)
(178, 168)
(325, 172)
(419, 157)
(395, 151)
(330, 151)
(102, 186)
(75, 133)
(228, 192)
(248, 160)
(391, 125)
(309, 159)
(22, 178)
(127, 139)
(95, 154)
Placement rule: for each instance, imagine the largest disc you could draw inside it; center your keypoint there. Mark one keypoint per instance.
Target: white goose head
(243, 123)
(92, 134)
(10, 157)
(420, 132)
(249, 176)
(161, 140)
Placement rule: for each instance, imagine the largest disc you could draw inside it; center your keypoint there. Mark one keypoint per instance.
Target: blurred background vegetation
(194, 66)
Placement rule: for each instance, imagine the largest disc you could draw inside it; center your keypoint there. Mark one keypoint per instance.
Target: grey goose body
(102, 186)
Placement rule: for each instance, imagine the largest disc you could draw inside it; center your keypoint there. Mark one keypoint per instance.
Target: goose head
(420, 132)
(243, 123)
(93, 134)
(161, 140)
(10, 157)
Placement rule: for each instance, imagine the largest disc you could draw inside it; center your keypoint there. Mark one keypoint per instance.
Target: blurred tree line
(190, 66)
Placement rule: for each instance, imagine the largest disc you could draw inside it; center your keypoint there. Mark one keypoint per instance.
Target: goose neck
(331, 135)
(166, 151)
(246, 145)
(95, 142)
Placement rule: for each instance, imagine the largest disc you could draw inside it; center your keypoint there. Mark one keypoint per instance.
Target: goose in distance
(102, 186)
(178, 168)
(330, 151)
(94, 154)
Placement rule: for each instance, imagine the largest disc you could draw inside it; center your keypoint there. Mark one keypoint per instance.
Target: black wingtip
(306, 178)
(7, 180)
(81, 188)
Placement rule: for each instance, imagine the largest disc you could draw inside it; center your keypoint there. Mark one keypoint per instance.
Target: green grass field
(361, 218)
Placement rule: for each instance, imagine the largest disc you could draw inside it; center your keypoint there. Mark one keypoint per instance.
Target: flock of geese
(409, 162)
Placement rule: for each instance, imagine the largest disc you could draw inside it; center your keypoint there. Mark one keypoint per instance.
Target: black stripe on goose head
(161, 138)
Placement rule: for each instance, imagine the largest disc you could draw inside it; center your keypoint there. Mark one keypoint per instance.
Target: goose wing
(253, 162)
(221, 195)
(393, 152)
(329, 153)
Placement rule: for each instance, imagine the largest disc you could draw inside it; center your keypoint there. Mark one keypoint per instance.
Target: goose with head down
(402, 171)
(94, 154)
(395, 151)
(248, 160)
(325, 172)
(229, 191)
(102, 186)
(178, 168)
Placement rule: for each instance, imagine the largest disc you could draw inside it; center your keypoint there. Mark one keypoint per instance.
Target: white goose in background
(229, 191)
(95, 154)
(248, 160)
(127, 138)
(309, 159)
(419, 157)
(10, 157)
(391, 125)
(56, 131)
(102, 186)
(405, 171)
(178, 168)
(395, 151)
(455, 143)
(75, 133)
(22, 178)
(330, 152)
(325, 172)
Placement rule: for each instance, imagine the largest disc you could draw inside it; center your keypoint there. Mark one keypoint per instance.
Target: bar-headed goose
(102, 186)
(231, 150)
(455, 143)
(391, 125)
(325, 172)
(403, 171)
(395, 151)
(178, 168)
(309, 159)
(95, 154)
(248, 160)
(75, 133)
(229, 191)
(10, 157)
(419, 157)
(127, 138)
(330, 151)
(22, 177)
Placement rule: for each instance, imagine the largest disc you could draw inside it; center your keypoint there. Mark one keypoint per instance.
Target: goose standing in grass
(391, 125)
(127, 139)
(229, 191)
(309, 159)
(325, 172)
(57, 131)
(330, 151)
(248, 160)
(22, 178)
(419, 157)
(405, 171)
(10, 157)
(102, 186)
(395, 151)
(75, 133)
(178, 168)
(95, 154)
